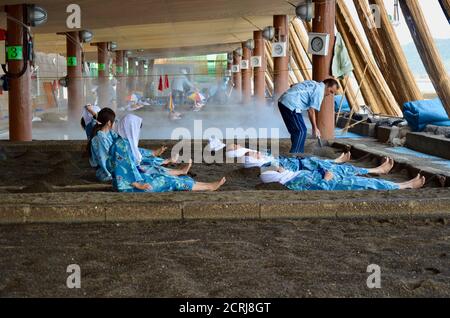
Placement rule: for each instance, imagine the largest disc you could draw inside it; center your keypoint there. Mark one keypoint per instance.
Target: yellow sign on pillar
(2, 37)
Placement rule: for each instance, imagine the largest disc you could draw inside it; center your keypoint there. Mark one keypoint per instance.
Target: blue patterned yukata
(124, 172)
(314, 181)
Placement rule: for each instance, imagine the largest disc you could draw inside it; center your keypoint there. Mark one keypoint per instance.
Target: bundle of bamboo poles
(388, 53)
(374, 88)
(269, 69)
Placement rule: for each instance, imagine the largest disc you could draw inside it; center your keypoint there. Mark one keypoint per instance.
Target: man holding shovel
(305, 96)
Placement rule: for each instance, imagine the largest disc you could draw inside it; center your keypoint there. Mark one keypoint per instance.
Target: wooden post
(131, 75)
(103, 75)
(237, 79)
(74, 75)
(246, 76)
(142, 76)
(121, 79)
(388, 52)
(259, 72)
(150, 78)
(19, 102)
(427, 50)
(324, 22)
(281, 64)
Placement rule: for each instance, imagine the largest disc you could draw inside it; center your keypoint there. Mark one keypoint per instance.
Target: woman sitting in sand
(103, 136)
(124, 155)
(328, 181)
(253, 158)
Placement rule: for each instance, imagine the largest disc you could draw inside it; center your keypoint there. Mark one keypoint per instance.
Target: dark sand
(286, 258)
(35, 171)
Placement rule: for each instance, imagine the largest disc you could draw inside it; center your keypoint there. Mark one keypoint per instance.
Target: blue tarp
(421, 113)
(337, 102)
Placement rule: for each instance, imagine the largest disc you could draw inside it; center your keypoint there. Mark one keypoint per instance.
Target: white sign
(256, 61)
(244, 65)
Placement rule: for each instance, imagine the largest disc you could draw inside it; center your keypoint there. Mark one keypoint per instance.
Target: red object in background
(166, 82)
(160, 86)
(2, 35)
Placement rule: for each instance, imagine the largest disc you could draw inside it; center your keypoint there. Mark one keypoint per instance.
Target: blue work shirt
(303, 96)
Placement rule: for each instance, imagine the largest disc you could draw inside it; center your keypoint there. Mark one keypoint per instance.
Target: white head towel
(129, 127)
(87, 116)
(238, 153)
(280, 177)
(251, 162)
(216, 144)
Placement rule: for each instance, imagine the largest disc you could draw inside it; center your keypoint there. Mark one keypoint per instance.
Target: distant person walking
(179, 84)
(305, 96)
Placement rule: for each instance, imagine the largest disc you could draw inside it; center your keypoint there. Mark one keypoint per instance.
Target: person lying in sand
(123, 160)
(103, 136)
(329, 181)
(253, 158)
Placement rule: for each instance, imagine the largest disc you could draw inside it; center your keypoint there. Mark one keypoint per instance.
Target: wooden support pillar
(388, 52)
(74, 75)
(427, 50)
(131, 75)
(246, 76)
(121, 79)
(142, 76)
(237, 79)
(324, 21)
(150, 78)
(19, 103)
(281, 64)
(103, 75)
(259, 82)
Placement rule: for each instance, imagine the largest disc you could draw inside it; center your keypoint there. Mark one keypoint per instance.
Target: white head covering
(87, 116)
(238, 153)
(251, 162)
(129, 127)
(280, 177)
(216, 144)
(184, 72)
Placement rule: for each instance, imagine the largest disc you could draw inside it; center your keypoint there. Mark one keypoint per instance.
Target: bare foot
(218, 184)
(387, 166)
(158, 152)
(175, 159)
(345, 157)
(416, 183)
(188, 167)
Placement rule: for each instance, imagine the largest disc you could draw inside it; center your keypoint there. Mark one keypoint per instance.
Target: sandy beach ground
(273, 258)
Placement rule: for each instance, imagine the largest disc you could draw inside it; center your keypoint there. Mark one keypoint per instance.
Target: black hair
(330, 82)
(82, 123)
(103, 117)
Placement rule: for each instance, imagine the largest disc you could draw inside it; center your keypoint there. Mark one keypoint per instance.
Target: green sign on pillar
(101, 66)
(119, 69)
(14, 53)
(72, 61)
